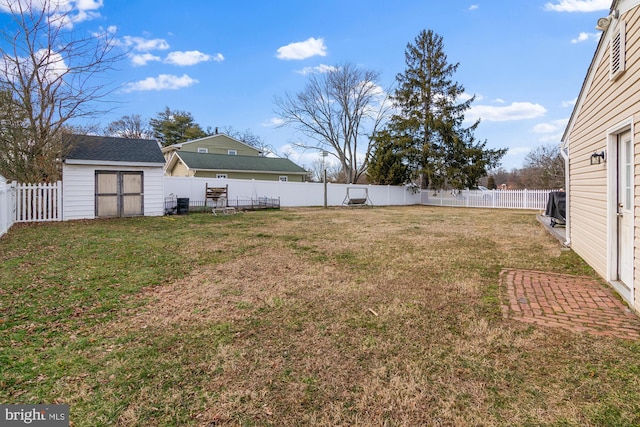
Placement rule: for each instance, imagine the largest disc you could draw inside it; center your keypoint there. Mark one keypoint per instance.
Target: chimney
(216, 131)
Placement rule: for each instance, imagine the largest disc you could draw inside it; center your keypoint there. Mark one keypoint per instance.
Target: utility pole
(324, 179)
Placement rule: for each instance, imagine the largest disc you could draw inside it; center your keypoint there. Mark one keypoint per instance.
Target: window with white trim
(283, 178)
(203, 150)
(232, 152)
(617, 48)
(221, 176)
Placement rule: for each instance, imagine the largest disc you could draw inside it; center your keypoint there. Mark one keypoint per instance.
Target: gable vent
(617, 53)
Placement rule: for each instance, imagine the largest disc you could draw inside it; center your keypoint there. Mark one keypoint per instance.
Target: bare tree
(543, 168)
(132, 127)
(250, 138)
(49, 75)
(338, 111)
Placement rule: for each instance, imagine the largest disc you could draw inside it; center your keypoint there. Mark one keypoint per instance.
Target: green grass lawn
(383, 316)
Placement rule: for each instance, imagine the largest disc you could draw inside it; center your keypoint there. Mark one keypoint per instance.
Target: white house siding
(603, 106)
(78, 187)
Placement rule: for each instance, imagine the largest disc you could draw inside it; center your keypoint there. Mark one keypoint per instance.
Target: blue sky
(225, 61)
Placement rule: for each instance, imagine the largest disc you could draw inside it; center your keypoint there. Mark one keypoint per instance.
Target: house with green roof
(220, 156)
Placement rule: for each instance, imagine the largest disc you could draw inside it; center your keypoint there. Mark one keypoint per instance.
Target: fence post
(4, 206)
(58, 200)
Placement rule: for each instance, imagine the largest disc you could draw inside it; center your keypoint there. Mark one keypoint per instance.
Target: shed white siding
(78, 189)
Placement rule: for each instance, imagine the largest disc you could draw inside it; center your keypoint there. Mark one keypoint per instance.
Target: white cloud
(515, 111)
(109, 31)
(544, 128)
(141, 44)
(218, 57)
(51, 66)
(474, 7)
(464, 97)
(557, 137)
(184, 59)
(517, 151)
(273, 122)
(162, 82)
(143, 59)
(578, 6)
(86, 10)
(319, 69)
(570, 103)
(65, 13)
(551, 131)
(302, 50)
(583, 37)
(550, 127)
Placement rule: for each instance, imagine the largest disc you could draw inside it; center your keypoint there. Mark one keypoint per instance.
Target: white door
(625, 211)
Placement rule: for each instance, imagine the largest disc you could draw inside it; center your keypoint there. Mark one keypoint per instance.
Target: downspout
(565, 155)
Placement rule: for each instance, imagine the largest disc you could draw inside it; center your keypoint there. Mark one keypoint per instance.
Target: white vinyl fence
(7, 205)
(43, 202)
(503, 199)
(291, 194)
(39, 202)
(29, 203)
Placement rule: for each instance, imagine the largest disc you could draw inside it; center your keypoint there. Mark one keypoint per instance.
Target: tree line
(415, 133)
(170, 127)
(543, 168)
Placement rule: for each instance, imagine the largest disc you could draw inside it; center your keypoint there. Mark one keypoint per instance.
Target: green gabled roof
(224, 162)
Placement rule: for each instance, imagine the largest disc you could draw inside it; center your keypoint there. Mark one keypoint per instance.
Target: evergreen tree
(172, 127)
(491, 183)
(428, 127)
(386, 166)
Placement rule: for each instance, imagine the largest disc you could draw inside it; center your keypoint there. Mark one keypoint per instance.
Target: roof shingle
(209, 161)
(106, 148)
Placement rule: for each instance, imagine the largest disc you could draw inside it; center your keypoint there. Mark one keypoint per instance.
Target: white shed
(104, 177)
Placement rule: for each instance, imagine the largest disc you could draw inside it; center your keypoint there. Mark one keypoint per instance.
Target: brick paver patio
(576, 303)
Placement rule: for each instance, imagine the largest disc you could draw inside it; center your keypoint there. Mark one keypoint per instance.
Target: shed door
(119, 194)
(131, 193)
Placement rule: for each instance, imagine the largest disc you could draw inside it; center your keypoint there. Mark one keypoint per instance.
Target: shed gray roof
(111, 149)
(209, 161)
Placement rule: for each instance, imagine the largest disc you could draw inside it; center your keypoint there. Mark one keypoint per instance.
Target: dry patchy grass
(329, 317)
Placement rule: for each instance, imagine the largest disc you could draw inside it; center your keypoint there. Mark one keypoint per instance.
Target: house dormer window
(203, 150)
(232, 152)
(617, 48)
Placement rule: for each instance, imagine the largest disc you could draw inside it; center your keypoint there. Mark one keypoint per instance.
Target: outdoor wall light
(597, 158)
(603, 23)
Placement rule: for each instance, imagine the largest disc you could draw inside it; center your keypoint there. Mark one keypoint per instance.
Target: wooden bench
(219, 196)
